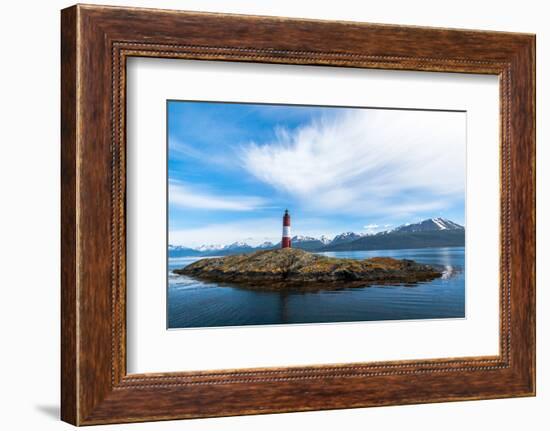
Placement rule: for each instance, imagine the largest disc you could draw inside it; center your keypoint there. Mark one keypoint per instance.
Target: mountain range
(433, 232)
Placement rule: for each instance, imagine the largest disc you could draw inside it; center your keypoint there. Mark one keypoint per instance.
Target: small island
(290, 267)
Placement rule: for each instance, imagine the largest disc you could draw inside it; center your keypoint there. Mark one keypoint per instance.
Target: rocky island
(290, 267)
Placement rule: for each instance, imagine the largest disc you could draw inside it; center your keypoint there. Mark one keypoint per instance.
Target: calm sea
(194, 304)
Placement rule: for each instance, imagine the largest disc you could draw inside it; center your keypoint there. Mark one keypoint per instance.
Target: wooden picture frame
(95, 43)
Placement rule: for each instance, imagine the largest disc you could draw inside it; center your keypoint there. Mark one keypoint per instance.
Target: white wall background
(29, 216)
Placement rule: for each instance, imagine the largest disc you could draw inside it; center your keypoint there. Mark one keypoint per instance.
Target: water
(193, 304)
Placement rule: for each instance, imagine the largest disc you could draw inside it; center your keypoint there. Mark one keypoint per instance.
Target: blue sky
(234, 168)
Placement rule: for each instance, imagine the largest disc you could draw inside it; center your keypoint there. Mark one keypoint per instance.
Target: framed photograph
(264, 215)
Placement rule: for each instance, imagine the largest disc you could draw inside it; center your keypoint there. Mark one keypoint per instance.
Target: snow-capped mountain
(345, 237)
(433, 232)
(220, 250)
(298, 238)
(432, 224)
(180, 251)
(325, 239)
(306, 242)
(239, 246)
(266, 245)
(209, 247)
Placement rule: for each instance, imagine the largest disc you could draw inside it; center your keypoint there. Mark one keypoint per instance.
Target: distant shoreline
(435, 232)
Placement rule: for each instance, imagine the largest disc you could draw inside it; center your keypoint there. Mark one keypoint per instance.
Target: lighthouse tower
(285, 243)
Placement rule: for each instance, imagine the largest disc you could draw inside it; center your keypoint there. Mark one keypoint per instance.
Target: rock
(290, 267)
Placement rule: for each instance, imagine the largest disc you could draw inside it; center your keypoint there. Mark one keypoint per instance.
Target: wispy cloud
(254, 232)
(371, 226)
(224, 157)
(185, 196)
(379, 161)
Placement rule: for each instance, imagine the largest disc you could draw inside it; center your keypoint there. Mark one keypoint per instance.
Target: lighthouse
(285, 243)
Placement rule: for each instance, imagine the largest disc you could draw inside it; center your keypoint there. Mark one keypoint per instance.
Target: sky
(234, 168)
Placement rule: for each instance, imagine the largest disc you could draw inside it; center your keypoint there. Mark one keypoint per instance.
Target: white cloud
(252, 231)
(179, 150)
(371, 226)
(367, 160)
(185, 196)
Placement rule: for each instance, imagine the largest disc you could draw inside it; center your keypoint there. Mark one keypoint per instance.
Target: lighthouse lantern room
(286, 243)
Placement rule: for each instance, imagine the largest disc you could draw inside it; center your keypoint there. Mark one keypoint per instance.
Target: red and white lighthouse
(285, 243)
